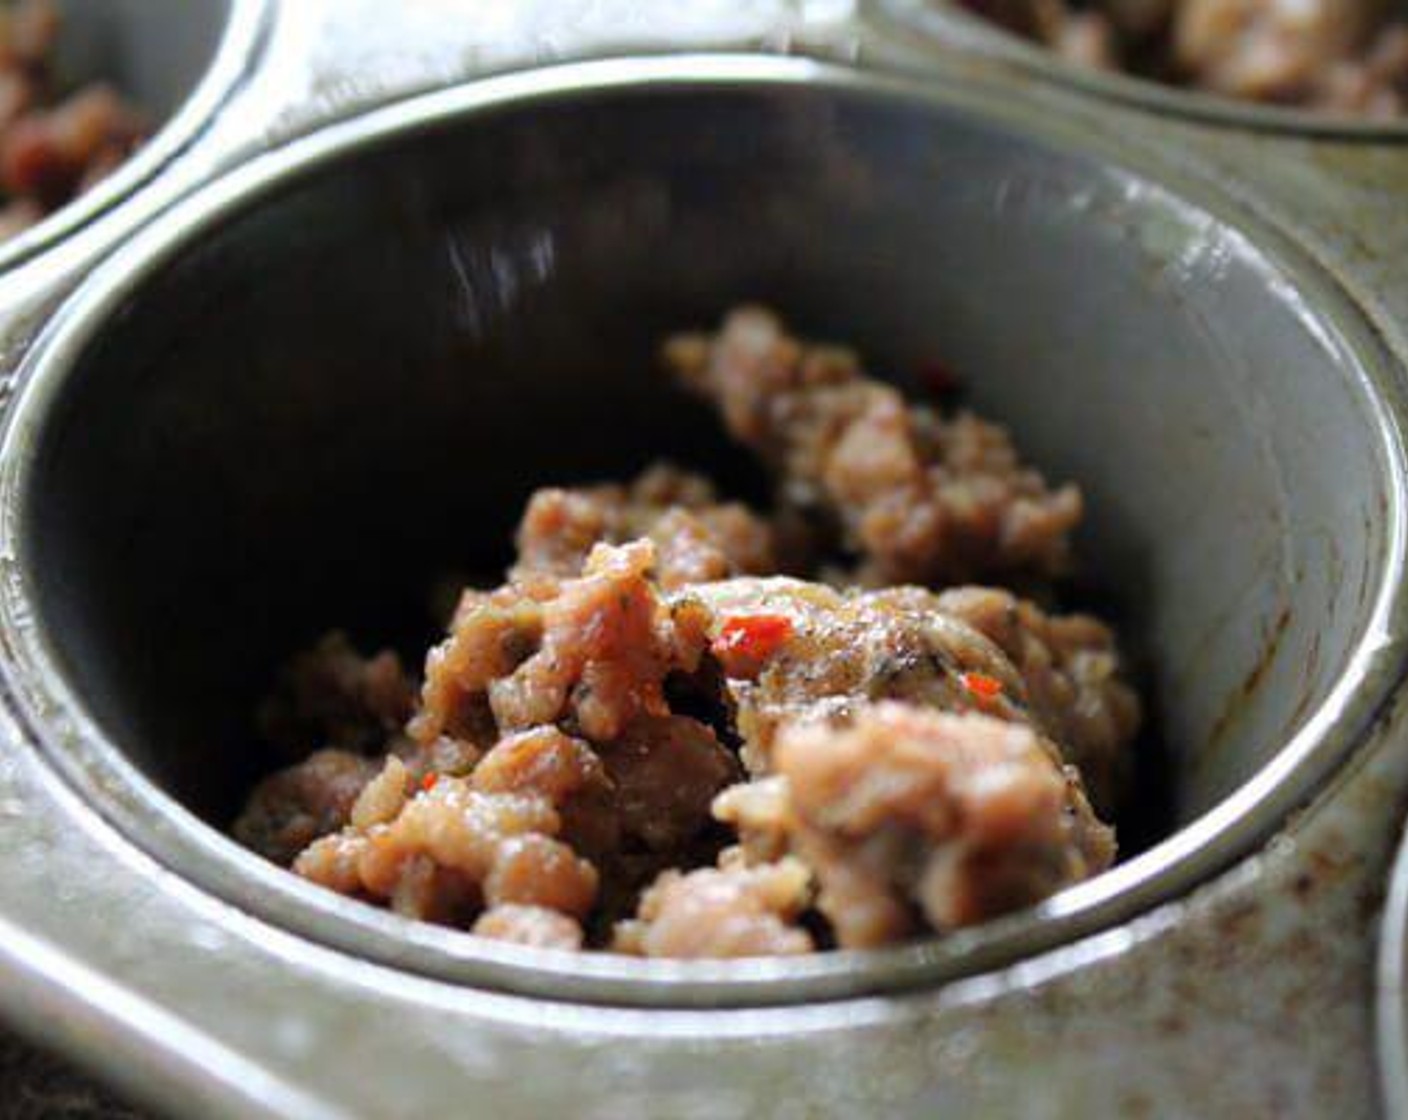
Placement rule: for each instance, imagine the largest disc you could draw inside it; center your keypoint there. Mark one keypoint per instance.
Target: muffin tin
(351, 291)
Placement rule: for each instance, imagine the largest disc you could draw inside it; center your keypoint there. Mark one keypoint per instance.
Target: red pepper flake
(981, 685)
(746, 641)
(427, 783)
(938, 378)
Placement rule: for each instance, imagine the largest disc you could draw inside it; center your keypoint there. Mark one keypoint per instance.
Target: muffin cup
(946, 26)
(176, 60)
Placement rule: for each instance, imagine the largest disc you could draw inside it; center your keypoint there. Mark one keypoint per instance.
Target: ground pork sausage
(649, 740)
(54, 144)
(907, 815)
(918, 497)
(1342, 56)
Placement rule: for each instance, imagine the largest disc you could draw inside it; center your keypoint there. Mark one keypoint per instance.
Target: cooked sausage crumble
(682, 729)
(1348, 57)
(55, 143)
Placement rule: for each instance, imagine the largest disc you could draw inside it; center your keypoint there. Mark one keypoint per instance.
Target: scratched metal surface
(1252, 997)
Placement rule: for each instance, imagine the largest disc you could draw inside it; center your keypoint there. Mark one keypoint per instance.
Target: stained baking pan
(199, 430)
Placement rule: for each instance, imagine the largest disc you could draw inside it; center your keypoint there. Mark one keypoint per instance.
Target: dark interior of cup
(322, 402)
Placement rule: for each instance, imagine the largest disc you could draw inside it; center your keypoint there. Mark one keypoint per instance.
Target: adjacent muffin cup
(176, 61)
(945, 25)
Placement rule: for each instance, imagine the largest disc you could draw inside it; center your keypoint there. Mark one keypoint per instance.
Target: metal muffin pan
(523, 310)
(1268, 584)
(177, 59)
